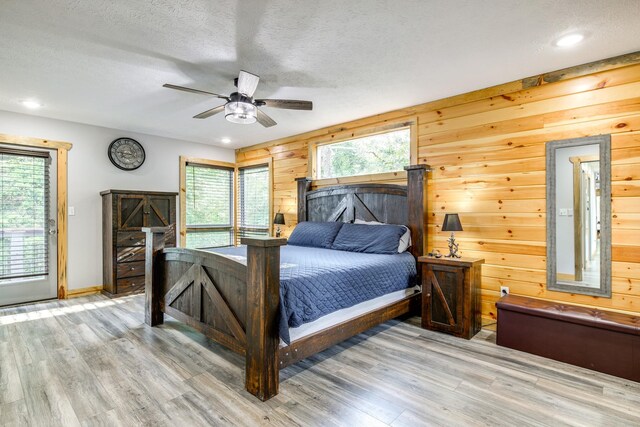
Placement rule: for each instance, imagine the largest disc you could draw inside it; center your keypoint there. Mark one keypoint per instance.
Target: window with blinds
(209, 206)
(24, 214)
(253, 201)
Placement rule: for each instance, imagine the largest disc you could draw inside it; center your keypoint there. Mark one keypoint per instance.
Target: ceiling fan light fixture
(241, 107)
(240, 112)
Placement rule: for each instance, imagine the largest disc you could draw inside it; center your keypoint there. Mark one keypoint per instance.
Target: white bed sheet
(347, 314)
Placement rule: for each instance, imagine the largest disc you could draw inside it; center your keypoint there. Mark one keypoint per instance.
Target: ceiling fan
(241, 107)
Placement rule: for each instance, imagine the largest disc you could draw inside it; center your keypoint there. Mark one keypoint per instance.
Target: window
(253, 201)
(379, 153)
(24, 214)
(208, 205)
(222, 202)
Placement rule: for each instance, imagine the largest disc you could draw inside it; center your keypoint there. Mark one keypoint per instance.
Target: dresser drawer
(130, 238)
(131, 253)
(129, 269)
(130, 284)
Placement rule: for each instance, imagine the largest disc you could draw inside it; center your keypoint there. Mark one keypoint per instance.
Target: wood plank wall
(487, 150)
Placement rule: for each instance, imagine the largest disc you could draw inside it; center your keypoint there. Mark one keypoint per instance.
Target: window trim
(182, 217)
(410, 123)
(249, 163)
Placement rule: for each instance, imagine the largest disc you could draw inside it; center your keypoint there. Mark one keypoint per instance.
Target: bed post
(154, 244)
(417, 204)
(304, 185)
(263, 301)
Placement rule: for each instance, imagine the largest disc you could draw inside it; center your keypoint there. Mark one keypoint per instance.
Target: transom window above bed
(386, 151)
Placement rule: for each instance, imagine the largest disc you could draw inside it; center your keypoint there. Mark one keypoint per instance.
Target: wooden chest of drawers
(124, 213)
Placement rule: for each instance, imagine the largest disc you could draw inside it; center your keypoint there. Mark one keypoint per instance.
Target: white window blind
(209, 206)
(24, 213)
(253, 201)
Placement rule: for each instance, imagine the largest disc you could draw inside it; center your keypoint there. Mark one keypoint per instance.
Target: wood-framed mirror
(579, 215)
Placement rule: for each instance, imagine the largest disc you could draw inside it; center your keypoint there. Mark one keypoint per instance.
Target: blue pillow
(314, 234)
(371, 239)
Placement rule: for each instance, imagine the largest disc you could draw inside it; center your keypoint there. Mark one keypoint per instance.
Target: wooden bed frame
(237, 305)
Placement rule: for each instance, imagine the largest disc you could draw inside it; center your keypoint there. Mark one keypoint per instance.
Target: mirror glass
(578, 215)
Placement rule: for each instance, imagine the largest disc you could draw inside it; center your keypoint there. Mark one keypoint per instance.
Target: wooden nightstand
(451, 295)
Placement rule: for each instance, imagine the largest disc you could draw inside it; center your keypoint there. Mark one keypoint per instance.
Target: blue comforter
(315, 282)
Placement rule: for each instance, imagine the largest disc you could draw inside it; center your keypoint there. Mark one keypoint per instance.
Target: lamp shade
(279, 219)
(240, 112)
(451, 223)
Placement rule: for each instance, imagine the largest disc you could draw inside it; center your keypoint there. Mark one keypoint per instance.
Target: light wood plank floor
(92, 361)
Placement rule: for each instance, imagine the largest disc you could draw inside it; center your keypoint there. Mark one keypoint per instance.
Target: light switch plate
(563, 212)
(72, 211)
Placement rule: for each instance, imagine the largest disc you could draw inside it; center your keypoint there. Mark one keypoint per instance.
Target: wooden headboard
(392, 204)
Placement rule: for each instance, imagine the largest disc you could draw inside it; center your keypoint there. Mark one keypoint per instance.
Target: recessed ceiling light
(569, 40)
(225, 140)
(31, 104)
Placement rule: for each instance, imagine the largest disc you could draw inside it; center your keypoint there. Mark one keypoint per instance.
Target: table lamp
(278, 221)
(452, 223)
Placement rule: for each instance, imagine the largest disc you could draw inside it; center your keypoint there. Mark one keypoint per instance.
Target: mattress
(315, 282)
(346, 314)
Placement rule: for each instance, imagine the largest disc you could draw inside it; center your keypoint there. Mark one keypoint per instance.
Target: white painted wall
(91, 172)
(565, 262)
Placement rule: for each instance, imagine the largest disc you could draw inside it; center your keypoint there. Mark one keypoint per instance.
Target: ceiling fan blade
(247, 83)
(289, 104)
(188, 89)
(209, 113)
(265, 120)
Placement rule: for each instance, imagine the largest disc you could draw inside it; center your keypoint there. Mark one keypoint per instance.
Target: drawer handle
(428, 295)
(132, 238)
(132, 268)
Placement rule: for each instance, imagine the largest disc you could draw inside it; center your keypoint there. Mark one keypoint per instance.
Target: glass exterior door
(28, 229)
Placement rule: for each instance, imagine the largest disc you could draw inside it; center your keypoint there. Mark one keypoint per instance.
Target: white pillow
(405, 240)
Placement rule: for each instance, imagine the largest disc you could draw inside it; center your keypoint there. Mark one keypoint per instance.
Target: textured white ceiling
(103, 62)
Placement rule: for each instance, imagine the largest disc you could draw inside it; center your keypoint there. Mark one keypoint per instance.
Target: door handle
(52, 227)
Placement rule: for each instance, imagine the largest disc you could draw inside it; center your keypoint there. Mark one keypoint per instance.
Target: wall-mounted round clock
(126, 154)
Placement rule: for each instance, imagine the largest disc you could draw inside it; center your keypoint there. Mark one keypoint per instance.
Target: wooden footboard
(232, 303)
